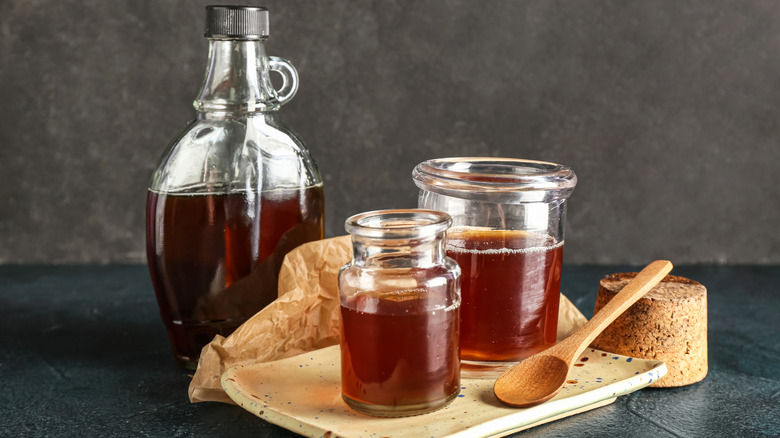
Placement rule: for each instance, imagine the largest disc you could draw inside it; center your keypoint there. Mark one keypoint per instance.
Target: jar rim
(398, 223)
(510, 180)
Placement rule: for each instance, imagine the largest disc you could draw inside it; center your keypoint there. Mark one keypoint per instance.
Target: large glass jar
(399, 314)
(233, 193)
(507, 236)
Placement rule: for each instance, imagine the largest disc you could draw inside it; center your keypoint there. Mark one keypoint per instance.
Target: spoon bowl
(541, 376)
(528, 387)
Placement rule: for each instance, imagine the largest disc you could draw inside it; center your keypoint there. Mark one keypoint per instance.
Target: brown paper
(305, 317)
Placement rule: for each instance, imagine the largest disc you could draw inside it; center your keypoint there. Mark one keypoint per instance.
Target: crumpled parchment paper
(305, 317)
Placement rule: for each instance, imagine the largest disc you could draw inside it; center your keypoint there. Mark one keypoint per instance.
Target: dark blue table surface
(83, 353)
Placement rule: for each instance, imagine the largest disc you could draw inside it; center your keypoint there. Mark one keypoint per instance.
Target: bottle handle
(289, 76)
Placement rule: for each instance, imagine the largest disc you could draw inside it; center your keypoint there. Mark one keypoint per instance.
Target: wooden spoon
(541, 376)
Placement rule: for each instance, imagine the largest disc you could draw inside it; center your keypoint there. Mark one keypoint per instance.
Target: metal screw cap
(243, 22)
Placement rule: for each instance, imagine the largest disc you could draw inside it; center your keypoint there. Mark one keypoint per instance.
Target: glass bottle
(233, 193)
(507, 236)
(400, 297)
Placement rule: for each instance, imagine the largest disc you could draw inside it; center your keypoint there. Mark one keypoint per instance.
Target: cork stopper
(667, 324)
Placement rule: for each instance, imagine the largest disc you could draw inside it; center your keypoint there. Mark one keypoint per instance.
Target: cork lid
(672, 287)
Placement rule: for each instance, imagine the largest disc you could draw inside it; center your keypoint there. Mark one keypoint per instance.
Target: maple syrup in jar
(507, 237)
(400, 299)
(510, 290)
(232, 194)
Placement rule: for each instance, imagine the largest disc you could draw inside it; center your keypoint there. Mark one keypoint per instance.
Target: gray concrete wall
(668, 111)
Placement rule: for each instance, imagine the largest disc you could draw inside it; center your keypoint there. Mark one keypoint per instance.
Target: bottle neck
(237, 79)
(398, 253)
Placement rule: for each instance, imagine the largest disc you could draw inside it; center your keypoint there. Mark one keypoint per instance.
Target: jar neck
(398, 253)
(237, 79)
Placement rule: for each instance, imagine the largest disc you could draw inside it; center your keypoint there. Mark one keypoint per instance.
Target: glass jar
(233, 193)
(507, 236)
(399, 297)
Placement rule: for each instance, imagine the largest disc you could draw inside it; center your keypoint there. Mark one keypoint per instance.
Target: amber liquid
(510, 287)
(399, 351)
(214, 259)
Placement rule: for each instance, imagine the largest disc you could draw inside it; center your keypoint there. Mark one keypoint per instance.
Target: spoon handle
(645, 280)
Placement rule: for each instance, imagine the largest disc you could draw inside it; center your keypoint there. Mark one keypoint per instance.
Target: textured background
(666, 110)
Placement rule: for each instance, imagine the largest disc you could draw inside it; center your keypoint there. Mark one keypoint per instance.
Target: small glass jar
(507, 236)
(400, 298)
